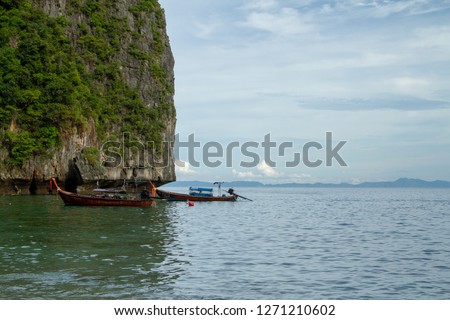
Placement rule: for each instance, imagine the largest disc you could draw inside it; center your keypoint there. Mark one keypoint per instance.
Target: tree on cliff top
(51, 84)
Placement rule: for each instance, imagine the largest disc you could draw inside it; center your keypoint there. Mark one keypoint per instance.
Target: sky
(373, 74)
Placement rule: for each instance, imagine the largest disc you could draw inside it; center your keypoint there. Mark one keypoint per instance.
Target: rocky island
(86, 94)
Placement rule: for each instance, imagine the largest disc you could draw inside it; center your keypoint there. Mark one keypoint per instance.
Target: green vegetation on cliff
(55, 75)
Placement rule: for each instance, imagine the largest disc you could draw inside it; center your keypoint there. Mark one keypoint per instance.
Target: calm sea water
(287, 244)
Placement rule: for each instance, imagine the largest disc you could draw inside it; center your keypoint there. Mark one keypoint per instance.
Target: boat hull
(173, 196)
(74, 199)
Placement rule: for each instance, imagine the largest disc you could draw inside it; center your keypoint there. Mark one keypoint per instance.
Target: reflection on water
(286, 244)
(52, 251)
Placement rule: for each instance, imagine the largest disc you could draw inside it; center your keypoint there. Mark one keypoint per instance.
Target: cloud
(383, 9)
(245, 175)
(184, 168)
(434, 37)
(260, 5)
(386, 8)
(208, 28)
(268, 171)
(301, 177)
(374, 72)
(389, 101)
(263, 171)
(410, 84)
(268, 16)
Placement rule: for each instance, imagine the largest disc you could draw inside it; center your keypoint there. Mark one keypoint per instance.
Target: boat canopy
(199, 189)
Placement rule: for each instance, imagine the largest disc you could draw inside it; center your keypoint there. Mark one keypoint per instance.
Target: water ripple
(287, 244)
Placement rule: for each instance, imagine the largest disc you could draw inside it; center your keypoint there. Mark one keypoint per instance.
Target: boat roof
(201, 189)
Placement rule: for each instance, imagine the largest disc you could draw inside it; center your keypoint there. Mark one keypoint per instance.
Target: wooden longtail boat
(195, 194)
(173, 196)
(103, 200)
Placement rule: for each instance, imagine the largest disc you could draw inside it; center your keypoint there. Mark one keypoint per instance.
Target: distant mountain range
(399, 183)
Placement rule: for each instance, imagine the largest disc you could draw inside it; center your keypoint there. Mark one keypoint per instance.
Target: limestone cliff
(94, 109)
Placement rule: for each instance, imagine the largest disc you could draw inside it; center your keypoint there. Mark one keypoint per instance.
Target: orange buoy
(191, 204)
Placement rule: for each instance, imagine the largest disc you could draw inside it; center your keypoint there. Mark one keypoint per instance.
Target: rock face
(103, 151)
